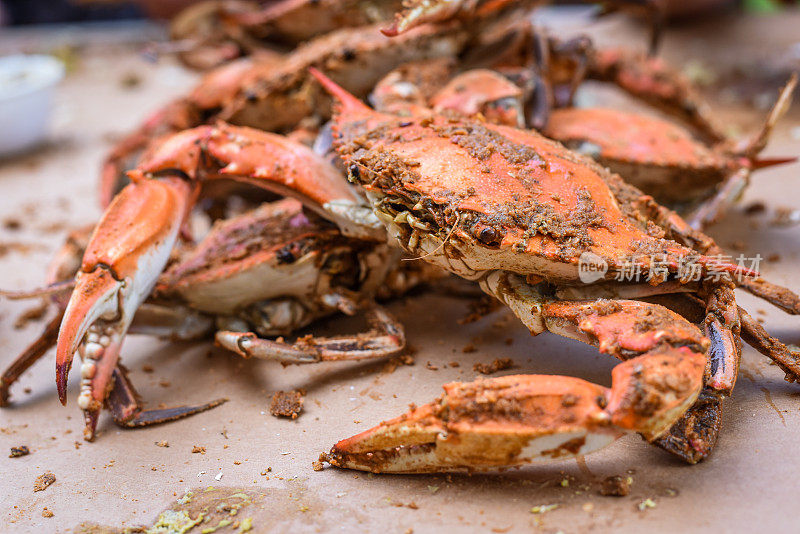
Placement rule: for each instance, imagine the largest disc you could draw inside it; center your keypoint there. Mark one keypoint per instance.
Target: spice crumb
(47, 513)
(16, 452)
(500, 364)
(287, 403)
(197, 449)
(615, 486)
(44, 481)
(647, 503)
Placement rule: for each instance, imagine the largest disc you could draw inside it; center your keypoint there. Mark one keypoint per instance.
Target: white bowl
(27, 84)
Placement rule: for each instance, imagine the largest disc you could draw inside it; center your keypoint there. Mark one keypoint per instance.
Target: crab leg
(386, 338)
(216, 89)
(31, 355)
(680, 231)
(265, 160)
(730, 190)
(125, 405)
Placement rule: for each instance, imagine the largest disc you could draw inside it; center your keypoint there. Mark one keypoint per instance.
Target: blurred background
(22, 12)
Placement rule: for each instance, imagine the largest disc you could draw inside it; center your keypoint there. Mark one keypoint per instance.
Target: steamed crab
(518, 213)
(521, 247)
(653, 152)
(264, 273)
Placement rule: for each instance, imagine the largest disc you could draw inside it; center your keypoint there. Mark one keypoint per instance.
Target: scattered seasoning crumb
(6, 247)
(163, 443)
(785, 217)
(412, 505)
(317, 466)
(16, 452)
(47, 513)
(147, 368)
(31, 314)
(499, 364)
(468, 349)
(237, 462)
(454, 364)
(433, 489)
(393, 363)
(198, 449)
(616, 486)
(543, 508)
(164, 383)
(130, 80)
(480, 308)
(587, 507)
(43, 481)
(647, 503)
(12, 224)
(565, 483)
(671, 492)
(287, 403)
(431, 366)
(754, 208)
(774, 258)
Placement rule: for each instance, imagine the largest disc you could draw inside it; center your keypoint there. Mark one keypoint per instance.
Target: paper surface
(125, 478)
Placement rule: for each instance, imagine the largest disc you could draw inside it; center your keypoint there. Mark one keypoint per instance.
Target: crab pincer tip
(62, 370)
(763, 163)
(347, 100)
(391, 31)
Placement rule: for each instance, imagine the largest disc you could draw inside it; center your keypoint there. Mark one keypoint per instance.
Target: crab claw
(513, 420)
(126, 254)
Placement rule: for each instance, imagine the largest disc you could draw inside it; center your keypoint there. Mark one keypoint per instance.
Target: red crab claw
(127, 252)
(514, 420)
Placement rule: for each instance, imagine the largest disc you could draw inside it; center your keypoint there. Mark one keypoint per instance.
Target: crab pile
(471, 160)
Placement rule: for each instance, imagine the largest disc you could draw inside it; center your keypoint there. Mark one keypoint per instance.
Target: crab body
(516, 212)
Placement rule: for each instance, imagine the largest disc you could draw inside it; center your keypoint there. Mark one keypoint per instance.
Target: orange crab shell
(225, 271)
(511, 180)
(653, 154)
(495, 422)
(485, 92)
